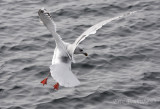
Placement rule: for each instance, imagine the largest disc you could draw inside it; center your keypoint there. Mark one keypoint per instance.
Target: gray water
(122, 70)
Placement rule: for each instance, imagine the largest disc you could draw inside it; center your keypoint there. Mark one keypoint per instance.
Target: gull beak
(85, 54)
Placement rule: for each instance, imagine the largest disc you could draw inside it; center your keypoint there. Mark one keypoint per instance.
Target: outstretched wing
(49, 23)
(94, 28)
(62, 73)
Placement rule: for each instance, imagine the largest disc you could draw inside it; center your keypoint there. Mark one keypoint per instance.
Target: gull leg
(56, 86)
(45, 80)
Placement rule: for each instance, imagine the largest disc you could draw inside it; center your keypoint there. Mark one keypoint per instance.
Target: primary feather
(51, 26)
(93, 29)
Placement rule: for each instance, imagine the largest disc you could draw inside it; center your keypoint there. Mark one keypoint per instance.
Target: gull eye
(42, 11)
(81, 50)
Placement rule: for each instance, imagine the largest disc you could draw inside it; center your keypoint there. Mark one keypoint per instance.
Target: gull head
(79, 50)
(44, 16)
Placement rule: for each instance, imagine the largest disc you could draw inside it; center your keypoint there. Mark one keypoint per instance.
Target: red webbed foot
(56, 86)
(44, 81)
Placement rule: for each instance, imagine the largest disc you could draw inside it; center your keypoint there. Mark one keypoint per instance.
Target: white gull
(63, 54)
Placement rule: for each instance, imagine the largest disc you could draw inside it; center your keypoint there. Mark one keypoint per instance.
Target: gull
(60, 69)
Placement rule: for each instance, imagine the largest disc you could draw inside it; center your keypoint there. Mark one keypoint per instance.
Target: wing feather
(94, 28)
(51, 26)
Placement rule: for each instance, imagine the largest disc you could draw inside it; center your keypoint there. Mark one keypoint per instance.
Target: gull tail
(63, 75)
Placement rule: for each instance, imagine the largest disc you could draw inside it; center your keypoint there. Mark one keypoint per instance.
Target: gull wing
(94, 28)
(51, 26)
(62, 73)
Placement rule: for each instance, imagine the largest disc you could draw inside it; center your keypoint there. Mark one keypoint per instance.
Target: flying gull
(60, 69)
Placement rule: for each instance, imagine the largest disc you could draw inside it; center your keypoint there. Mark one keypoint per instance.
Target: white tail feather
(63, 75)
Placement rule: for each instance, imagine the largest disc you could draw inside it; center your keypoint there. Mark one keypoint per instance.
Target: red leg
(56, 86)
(45, 80)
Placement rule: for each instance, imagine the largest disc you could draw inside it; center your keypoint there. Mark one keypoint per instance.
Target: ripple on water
(139, 90)
(27, 47)
(15, 107)
(79, 102)
(152, 76)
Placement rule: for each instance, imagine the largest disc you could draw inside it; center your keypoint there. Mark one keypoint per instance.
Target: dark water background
(122, 70)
